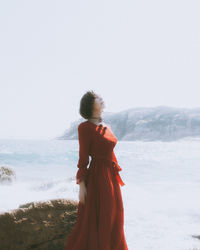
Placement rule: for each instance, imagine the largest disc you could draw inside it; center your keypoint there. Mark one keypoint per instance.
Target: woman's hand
(82, 192)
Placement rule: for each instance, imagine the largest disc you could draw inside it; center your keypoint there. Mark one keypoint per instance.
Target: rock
(38, 225)
(7, 175)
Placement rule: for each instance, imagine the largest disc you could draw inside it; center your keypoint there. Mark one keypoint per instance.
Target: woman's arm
(84, 148)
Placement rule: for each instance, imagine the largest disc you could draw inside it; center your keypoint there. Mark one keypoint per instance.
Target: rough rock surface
(38, 225)
(7, 175)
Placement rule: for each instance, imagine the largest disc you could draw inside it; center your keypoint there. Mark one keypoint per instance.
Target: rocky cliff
(147, 124)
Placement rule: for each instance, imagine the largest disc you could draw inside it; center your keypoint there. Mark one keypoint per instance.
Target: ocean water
(161, 192)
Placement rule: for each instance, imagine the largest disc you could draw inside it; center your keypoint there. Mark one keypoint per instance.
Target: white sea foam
(162, 183)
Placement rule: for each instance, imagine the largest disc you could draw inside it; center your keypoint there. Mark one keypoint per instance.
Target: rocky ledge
(38, 225)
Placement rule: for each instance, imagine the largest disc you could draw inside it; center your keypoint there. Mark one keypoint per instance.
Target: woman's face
(98, 106)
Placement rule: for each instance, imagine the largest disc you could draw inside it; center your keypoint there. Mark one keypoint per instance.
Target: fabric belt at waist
(115, 166)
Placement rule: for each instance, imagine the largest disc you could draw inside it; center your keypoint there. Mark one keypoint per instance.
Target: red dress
(100, 221)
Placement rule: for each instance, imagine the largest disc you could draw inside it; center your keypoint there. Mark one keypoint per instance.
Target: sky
(133, 53)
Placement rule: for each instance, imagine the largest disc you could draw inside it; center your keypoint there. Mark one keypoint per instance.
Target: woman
(100, 218)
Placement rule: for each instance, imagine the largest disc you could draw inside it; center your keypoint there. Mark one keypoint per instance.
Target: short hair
(86, 104)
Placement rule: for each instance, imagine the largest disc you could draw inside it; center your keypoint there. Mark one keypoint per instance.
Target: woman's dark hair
(86, 104)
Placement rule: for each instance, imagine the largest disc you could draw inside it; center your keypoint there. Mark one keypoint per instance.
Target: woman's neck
(96, 119)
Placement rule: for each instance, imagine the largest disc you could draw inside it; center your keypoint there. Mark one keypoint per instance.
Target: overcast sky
(132, 53)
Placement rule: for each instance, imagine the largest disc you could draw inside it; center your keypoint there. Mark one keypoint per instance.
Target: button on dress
(100, 220)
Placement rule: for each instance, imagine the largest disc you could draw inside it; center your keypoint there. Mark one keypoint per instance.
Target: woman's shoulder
(86, 128)
(84, 125)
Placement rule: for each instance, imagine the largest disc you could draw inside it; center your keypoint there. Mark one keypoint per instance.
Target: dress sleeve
(84, 138)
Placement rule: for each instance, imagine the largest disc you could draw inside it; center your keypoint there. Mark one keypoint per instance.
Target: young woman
(100, 218)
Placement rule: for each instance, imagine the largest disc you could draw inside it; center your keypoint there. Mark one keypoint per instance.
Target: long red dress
(100, 221)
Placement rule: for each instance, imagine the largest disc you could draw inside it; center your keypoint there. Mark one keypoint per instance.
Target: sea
(160, 195)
